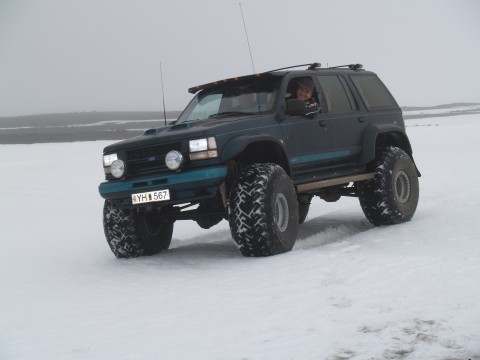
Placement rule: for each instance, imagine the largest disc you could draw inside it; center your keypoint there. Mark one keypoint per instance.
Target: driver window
(303, 88)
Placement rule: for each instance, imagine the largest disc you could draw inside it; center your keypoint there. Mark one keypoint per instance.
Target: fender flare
(371, 134)
(238, 144)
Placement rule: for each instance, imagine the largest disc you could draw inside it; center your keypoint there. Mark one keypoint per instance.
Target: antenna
(163, 94)
(246, 34)
(251, 57)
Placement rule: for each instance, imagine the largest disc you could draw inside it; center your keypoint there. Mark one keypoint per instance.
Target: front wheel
(132, 234)
(263, 211)
(392, 196)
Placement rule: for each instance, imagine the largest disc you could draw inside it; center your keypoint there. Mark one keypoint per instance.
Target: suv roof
(276, 72)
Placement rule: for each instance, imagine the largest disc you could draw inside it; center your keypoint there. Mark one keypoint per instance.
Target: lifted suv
(245, 150)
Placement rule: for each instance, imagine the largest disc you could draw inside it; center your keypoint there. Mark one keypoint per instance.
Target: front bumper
(184, 187)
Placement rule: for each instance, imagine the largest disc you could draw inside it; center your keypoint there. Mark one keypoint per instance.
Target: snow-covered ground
(346, 291)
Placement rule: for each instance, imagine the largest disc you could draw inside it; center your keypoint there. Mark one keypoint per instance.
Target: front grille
(148, 160)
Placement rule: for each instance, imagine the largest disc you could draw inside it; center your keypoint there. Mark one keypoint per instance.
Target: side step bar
(332, 182)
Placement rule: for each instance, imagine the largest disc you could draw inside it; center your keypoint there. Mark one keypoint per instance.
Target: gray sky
(104, 55)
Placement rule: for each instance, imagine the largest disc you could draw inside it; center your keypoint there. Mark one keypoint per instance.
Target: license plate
(152, 196)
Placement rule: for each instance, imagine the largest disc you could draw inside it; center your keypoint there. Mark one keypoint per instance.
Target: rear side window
(337, 94)
(373, 93)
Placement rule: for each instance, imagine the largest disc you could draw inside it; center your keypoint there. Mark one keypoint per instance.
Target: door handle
(322, 123)
(361, 119)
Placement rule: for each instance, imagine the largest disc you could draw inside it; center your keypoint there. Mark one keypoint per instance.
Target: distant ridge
(94, 116)
(89, 117)
(441, 110)
(443, 106)
(79, 126)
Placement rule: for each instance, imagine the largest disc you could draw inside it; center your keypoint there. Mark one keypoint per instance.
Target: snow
(346, 291)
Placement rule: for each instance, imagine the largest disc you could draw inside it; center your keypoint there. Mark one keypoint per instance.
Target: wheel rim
(402, 187)
(281, 212)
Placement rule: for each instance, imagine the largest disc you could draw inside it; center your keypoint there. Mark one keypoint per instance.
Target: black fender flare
(373, 132)
(238, 144)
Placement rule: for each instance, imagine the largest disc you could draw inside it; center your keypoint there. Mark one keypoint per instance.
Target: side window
(297, 84)
(337, 94)
(373, 93)
(303, 88)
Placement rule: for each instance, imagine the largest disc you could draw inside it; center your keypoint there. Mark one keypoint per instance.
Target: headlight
(108, 159)
(118, 168)
(203, 148)
(198, 145)
(173, 160)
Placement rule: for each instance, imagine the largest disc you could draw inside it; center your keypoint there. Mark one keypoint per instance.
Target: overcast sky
(104, 55)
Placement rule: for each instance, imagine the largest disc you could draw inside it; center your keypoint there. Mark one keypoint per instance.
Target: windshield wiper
(230, 113)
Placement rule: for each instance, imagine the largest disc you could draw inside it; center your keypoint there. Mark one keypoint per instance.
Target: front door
(307, 138)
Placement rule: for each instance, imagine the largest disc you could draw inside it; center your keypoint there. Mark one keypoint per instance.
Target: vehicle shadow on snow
(213, 244)
(315, 232)
(196, 247)
(329, 229)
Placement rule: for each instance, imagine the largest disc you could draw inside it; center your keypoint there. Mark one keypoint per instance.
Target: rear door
(346, 121)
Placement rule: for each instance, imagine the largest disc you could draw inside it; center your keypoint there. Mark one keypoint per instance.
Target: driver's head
(305, 89)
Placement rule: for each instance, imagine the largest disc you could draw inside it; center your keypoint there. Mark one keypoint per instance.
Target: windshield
(251, 97)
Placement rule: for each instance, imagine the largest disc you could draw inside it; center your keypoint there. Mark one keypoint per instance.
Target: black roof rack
(350, 66)
(311, 66)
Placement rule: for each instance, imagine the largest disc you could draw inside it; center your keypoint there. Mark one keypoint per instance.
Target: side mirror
(296, 107)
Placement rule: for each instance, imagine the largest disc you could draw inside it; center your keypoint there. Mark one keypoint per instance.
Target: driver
(305, 92)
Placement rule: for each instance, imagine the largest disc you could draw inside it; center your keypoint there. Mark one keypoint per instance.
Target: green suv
(248, 150)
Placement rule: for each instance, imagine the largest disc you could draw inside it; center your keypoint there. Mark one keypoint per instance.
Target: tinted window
(338, 96)
(373, 93)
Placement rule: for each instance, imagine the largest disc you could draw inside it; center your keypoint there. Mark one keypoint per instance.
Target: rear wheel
(131, 234)
(263, 211)
(392, 196)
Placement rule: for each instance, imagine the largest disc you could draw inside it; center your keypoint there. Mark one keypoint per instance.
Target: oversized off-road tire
(131, 234)
(263, 211)
(392, 196)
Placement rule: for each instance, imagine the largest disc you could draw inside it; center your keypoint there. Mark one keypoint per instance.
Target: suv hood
(188, 130)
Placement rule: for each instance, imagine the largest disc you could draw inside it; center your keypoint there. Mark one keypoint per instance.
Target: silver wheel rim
(402, 187)
(281, 212)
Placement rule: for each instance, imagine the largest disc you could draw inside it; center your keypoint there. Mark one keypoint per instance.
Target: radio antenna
(163, 95)
(251, 57)
(246, 35)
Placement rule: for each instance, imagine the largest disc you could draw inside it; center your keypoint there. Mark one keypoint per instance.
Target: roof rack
(311, 66)
(350, 66)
